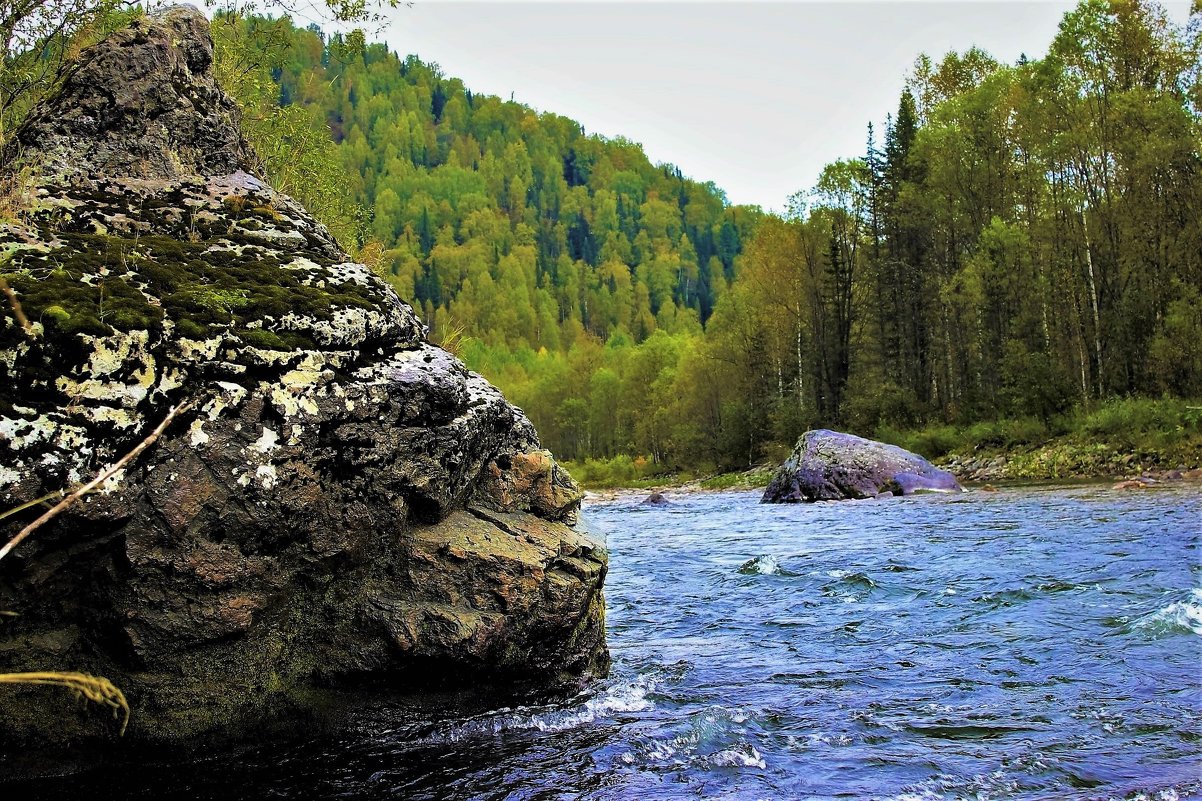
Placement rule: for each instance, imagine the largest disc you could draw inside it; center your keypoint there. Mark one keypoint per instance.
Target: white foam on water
(630, 697)
(1179, 616)
(1170, 794)
(662, 751)
(992, 786)
(822, 738)
(627, 696)
(739, 756)
(712, 739)
(682, 750)
(764, 565)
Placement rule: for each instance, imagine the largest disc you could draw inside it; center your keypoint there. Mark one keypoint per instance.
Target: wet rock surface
(144, 104)
(832, 466)
(1157, 478)
(342, 504)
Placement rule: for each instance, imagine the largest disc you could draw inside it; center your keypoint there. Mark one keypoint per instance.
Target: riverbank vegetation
(1119, 437)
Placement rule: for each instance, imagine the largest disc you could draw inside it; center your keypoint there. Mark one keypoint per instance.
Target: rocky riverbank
(1062, 461)
(1055, 461)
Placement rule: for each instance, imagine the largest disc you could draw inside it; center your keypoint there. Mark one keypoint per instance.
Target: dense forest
(516, 225)
(1015, 241)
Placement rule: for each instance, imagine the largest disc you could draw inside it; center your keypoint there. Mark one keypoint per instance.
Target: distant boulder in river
(832, 466)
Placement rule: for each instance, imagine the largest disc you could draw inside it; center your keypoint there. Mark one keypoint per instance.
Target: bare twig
(103, 476)
(18, 312)
(50, 496)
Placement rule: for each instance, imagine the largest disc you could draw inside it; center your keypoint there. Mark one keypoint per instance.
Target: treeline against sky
(1016, 240)
(513, 224)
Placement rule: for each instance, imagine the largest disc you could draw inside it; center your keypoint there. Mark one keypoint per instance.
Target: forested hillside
(516, 225)
(1016, 240)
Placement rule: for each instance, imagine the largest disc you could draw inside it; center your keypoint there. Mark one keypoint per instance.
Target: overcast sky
(755, 97)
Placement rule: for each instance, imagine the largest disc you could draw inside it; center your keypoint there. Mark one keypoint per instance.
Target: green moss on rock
(100, 283)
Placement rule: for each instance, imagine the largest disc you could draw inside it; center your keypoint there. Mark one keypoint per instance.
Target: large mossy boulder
(832, 466)
(343, 503)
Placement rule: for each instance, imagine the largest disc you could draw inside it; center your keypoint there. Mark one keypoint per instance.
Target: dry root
(96, 689)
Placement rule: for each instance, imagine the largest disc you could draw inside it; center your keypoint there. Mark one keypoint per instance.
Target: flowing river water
(1034, 643)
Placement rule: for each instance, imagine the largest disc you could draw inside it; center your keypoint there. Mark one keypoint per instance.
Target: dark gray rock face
(831, 466)
(343, 503)
(143, 105)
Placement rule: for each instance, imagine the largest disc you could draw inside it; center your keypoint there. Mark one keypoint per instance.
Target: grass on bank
(615, 473)
(1118, 437)
(623, 471)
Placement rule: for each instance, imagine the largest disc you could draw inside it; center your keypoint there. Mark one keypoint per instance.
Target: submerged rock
(832, 466)
(1134, 483)
(343, 502)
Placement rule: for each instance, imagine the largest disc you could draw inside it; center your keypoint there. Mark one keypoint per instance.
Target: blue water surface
(1033, 643)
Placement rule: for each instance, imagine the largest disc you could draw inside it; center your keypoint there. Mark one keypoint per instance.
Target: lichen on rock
(344, 502)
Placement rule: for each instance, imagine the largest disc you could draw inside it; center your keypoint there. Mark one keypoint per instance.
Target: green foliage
(1175, 353)
(518, 225)
(1120, 436)
(619, 471)
(1134, 422)
(1006, 434)
(1023, 243)
(931, 442)
(749, 479)
(871, 405)
(291, 142)
(952, 275)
